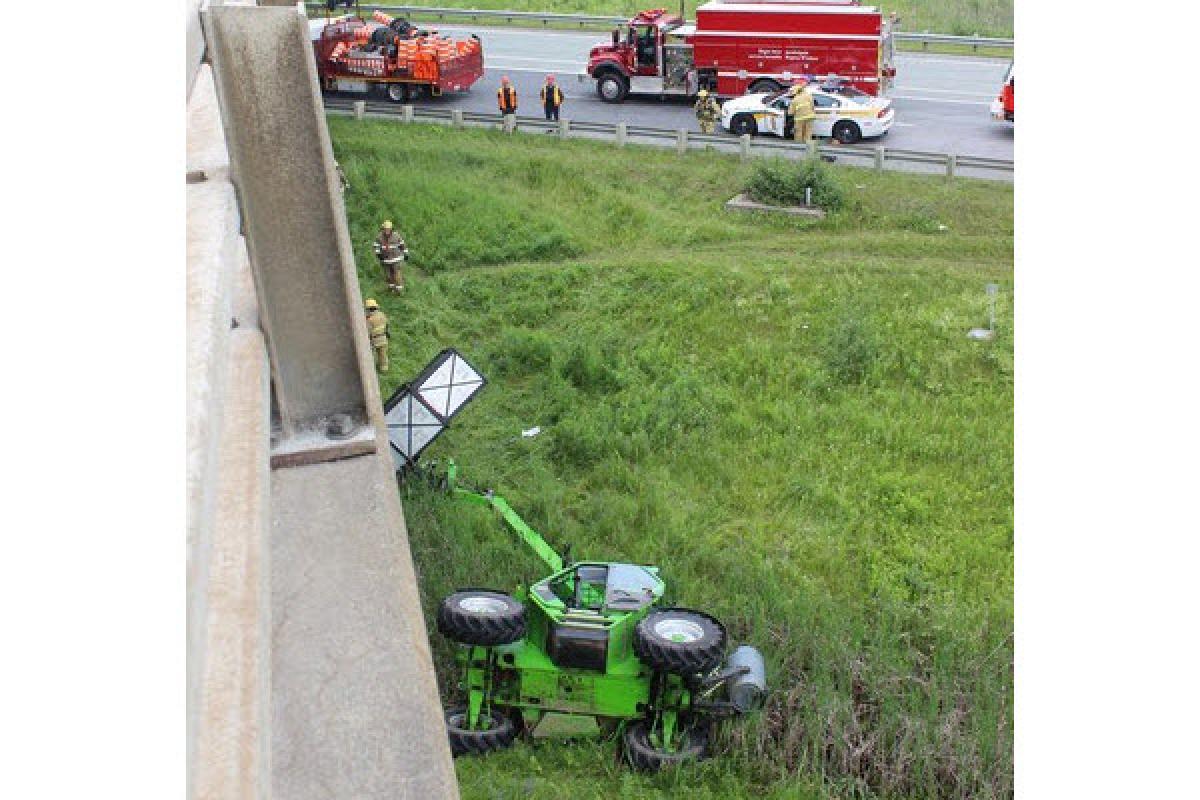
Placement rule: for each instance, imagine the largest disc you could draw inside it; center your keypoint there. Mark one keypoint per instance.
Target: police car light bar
(420, 410)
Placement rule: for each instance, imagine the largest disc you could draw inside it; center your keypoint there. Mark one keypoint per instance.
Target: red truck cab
(1002, 106)
(737, 46)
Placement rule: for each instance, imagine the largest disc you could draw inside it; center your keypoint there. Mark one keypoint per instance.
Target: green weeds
(786, 416)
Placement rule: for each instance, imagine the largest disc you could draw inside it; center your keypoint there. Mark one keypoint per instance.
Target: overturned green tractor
(590, 649)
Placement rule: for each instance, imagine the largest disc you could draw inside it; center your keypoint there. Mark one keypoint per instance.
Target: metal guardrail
(924, 39)
(682, 139)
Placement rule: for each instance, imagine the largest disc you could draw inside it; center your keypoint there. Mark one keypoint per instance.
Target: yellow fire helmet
(703, 93)
(371, 304)
(387, 224)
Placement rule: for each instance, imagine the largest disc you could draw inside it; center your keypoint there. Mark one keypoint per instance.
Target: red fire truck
(737, 46)
(1002, 106)
(392, 57)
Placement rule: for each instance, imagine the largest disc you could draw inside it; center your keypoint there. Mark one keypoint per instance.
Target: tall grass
(958, 17)
(785, 415)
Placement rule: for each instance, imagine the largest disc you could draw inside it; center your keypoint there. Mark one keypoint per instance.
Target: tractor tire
(481, 617)
(501, 733)
(642, 754)
(680, 640)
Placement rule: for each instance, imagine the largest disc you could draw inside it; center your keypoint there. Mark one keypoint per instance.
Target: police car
(843, 113)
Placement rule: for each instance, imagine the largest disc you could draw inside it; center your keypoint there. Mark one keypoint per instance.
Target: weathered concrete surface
(232, 744)
(743, 203)
(213, 246)
(295, 223)
(355, 704)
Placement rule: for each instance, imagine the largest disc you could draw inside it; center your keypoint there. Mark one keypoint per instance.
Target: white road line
(570, 62)
(944, 91)
(528, 68)
(996, 63)
(940, 100)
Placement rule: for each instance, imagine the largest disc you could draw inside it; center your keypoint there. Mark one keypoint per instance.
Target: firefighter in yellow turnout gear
(377, 328)
(708, 111)
(802, 112)
(391, 251)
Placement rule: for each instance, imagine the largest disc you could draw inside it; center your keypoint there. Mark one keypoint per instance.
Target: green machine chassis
(586, 650)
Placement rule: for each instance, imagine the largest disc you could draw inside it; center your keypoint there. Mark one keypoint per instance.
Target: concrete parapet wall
(309, 673)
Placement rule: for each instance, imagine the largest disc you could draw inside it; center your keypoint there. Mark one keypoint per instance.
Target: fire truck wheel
(499, 733)
(612, 87)
(679, 640)
(847, 132)
(764, 86)
(742, 124)
(481, 617)
(398, 92)
(643, 754)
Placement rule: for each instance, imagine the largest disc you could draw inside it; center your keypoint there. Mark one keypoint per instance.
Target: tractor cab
(598, 588)
(585, 602)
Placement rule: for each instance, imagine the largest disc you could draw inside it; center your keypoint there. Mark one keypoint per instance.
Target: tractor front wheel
(497, 732)
(643, 754)
(481, 617)
(679, 640)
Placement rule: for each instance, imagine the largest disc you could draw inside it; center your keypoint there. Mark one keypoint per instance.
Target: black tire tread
(689, 658)
(487, 630)
(477, 743)
(640, 753)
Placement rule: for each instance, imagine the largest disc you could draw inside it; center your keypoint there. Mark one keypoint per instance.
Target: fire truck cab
(1002, 106)
(737, 46)
(650, 54)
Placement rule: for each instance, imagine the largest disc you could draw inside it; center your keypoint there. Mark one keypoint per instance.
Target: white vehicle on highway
(846, 114)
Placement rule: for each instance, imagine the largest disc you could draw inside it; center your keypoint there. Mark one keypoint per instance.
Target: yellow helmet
(371, 304)
(703, 93)
(387, 224)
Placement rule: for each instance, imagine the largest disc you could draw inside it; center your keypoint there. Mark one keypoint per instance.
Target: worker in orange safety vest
(552, 98)
(506, 98)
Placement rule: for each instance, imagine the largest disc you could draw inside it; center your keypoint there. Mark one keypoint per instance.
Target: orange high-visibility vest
(556, 96)
(506, 97)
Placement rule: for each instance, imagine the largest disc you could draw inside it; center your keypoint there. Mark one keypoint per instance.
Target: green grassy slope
(786, 416)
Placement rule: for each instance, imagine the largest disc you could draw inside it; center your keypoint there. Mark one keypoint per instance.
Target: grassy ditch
(975, 17)
(785, 415)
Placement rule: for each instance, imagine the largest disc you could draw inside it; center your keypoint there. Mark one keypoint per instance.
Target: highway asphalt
(941, 101)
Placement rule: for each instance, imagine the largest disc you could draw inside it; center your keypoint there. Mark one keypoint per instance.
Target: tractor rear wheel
(499, 732)
(481, 617)
(644, 755)
(679, 640)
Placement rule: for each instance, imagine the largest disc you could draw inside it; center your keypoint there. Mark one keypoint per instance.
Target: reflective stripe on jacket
(377, 326)
(801, 108)
(506, 98)
(390, 249)
(553, 98)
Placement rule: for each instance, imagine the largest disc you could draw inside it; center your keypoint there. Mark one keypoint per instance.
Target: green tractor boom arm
(527, 534)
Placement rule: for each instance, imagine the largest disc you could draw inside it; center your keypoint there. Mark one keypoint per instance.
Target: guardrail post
(564, 128)
(681, 140)
(360, 108)
(407, 113)
(951, 163)
(456, 117)
(879, 157)
(745, 146)
(622, 132)
(812, 149)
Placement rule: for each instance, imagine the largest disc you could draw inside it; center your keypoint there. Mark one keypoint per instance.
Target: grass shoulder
(786, 416)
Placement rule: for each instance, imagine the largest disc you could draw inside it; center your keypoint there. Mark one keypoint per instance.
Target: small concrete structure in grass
(743, 202)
